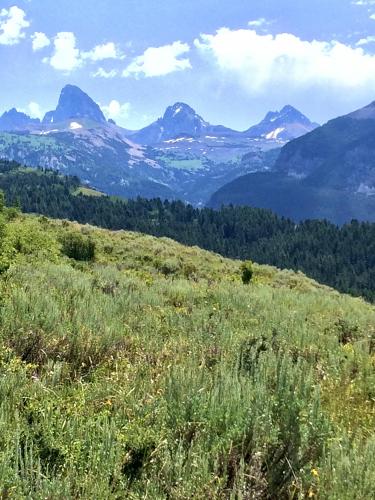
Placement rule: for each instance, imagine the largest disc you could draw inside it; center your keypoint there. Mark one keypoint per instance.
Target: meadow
(134, 367)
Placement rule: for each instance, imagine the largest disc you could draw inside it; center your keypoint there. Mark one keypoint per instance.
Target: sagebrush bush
(77, 246)
(123, 379)
(247, 272)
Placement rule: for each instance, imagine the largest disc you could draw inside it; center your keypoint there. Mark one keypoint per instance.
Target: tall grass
(130, 377)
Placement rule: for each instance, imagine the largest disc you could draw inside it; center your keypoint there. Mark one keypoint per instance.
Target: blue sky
(231, 60)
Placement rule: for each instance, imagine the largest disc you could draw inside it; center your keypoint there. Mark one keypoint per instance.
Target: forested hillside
(340, 257)
(134, 367)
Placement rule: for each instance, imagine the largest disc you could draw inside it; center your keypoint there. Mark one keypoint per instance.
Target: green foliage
(152, 372)
(247, 272)
(77, 246)
(340, 257)
(22, 240)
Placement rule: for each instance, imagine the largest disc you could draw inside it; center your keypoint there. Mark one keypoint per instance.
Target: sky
(231, 60)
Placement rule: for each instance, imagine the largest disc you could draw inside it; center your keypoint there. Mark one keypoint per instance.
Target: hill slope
(153, 371)
(343, 257)
(295, 198)
(338, 155)
(327, 173)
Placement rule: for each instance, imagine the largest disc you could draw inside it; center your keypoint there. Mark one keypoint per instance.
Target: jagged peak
(288, 108)
(15, 112)
(179, 108)
(287, 112)
(75, 103)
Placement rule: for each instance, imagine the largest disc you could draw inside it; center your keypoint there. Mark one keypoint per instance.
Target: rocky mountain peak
(14, 120)
(74, 103)
(283, 125)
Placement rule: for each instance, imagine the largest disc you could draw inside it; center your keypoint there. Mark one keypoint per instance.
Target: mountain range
(327, 173)
(178, 156)
(180, 121)
(286, 162)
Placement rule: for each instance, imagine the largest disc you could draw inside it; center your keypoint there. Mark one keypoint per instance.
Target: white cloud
(102, 73)
(364, 3)
(372, 17)
(12, 24)
(102, 52)
(262, 63)
(116, 110)
(258, 22)
(159, 61)
(66, 56)
(34, 110)
(40, 40)
(365, 41)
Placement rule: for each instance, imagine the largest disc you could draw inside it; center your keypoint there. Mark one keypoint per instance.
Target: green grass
(33, 141)
(88, 192)
(152, 371)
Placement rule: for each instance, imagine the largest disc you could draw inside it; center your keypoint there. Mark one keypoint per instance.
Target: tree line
(342, 257)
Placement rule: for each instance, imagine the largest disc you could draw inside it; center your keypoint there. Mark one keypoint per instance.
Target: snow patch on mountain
(274, 134)
(75, 126)
(178, 110)
(179, 139)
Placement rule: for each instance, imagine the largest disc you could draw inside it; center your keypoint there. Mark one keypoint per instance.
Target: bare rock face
(74, 103)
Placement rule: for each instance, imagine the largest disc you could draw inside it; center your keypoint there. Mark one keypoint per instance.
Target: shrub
(78, 247)
(247, 272)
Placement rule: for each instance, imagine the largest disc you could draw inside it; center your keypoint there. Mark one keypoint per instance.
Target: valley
(178, 157)
(187, 250)
(286, 163)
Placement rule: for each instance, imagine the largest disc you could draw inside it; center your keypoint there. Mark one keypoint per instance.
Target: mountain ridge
(14, 120)
(287, 124)
(327, 173)
(281, 125)
(178, 120)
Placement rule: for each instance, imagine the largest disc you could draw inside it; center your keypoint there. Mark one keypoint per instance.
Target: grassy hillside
(149, 370)
(342, 257)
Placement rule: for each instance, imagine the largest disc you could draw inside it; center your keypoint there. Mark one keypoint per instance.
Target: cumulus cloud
(102, 52)
(34, 110)
(12, 24)
(102, 73)
(116, 110)
(159, 61)
(66, 56)
(40, 41)
(263, 62)
(372, 17)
